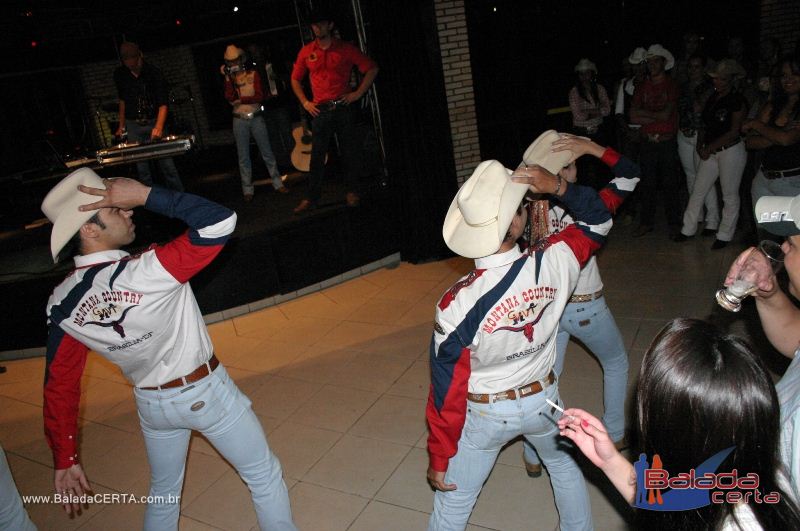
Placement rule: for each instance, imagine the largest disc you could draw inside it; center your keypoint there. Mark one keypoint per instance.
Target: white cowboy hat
(585, 65)
(484, 206)
(482, 210)
(61, 207)
(656, 50)
(539, 153)
(232, 53)
(779, 215)
(637, 56)
(727, 68)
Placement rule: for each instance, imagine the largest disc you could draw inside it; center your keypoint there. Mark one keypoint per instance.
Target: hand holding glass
(761, 264)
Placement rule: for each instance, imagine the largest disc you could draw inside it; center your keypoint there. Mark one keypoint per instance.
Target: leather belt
(586, 298)
(325, 106)
(659, 137)
(726, 146)
(512, 394)
(777, 174)
(248, 115)
(198, 374)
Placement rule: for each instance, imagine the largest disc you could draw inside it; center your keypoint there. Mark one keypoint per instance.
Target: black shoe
(709, 232)
(718, 244)
(680, 237)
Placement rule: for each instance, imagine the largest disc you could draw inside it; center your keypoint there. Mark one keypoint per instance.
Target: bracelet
(558, 188)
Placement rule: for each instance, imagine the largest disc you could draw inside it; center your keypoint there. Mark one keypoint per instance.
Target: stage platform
(273, 255)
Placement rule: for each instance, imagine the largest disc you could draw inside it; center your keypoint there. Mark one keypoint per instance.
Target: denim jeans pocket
(483, 430)
(203, 409)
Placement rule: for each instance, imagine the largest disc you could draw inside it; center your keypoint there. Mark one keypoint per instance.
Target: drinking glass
(762, 263)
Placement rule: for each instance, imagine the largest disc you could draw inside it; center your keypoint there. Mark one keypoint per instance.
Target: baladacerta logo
(656, 490)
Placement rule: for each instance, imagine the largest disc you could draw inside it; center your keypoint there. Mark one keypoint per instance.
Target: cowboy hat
(779, 215)
(656, 50)
(540, 153)
(585, 65)
(480, 214)
(482, 210)
(637, 56)
(61, 207)
(727, 68)
(232, 53)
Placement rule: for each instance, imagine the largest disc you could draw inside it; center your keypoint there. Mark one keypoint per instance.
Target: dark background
(522, 52)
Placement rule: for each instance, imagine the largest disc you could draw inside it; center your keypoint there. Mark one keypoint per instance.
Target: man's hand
(311, 108)
(156, 133)
(703, 152)
(436, 480)
(71, 482)
(767, 285)
(540, 180)
(350, 97)
(118, 193)
(119, 132)
(579, 145)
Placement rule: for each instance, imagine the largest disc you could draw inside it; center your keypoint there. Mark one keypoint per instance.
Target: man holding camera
(244, 90)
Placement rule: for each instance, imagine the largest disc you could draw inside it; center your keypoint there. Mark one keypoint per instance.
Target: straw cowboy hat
(727, 68)
(656, 50)
(637, 56)
(585, 65)
(61, 207)
(232, 53)
(484, 206)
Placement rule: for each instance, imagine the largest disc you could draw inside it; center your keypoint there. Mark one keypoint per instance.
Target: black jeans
(660, 173)
(338, 120)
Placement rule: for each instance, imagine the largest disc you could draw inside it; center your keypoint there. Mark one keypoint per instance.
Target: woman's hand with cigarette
(589, 435)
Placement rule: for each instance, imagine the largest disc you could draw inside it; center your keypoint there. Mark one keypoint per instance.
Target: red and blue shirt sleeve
(66, 359)
(210, 226)
(592, 222)
(447, 401)
(626, 177)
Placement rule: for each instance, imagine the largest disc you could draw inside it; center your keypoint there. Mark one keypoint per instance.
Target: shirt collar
(498, 259)
(100, 257)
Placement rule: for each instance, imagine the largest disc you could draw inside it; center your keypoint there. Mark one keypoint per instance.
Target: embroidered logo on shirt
(313, 57)
(438, 328)
(527, 328)
(108, 311)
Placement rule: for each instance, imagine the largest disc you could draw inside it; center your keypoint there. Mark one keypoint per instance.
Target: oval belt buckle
(197, 406)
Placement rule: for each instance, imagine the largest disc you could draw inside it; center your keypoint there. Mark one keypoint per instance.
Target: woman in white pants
(694, 93)
(722, 154)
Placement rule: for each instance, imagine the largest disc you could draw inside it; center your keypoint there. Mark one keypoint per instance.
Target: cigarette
(561, 409)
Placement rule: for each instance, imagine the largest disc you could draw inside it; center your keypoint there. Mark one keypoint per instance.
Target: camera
(240, 64)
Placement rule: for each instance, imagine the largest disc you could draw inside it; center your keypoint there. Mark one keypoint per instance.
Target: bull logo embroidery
(527, 328)
(115, 325)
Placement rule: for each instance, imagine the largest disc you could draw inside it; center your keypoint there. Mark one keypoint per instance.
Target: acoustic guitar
(301, 154)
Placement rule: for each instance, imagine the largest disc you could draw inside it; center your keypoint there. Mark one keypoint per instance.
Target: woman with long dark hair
(700, 392)
(777, 132)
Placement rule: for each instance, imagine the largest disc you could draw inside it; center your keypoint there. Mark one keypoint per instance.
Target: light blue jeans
(486, 429)
(12, 512)
(215, 407)
(141, 133)
(593, 324)
(242, 130)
